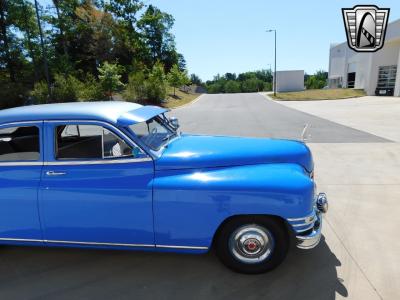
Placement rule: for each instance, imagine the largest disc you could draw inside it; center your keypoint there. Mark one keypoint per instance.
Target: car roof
(108, 111)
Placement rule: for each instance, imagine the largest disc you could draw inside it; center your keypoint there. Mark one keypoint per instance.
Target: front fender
(189, 205)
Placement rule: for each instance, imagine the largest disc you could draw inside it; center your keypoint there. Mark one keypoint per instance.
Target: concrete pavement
(359, 169)
(376, 115)
(252, 115)
(357, 258)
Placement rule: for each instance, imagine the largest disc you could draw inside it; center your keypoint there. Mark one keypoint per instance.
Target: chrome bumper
(308, 229)
(312, 239)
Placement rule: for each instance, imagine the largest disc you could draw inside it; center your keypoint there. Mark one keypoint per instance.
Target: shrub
(314, 83)
(91, 89)
(110, 78)
(232, 87)
(66, 89)
(268, 86)
(40, 92)
(252, 85)
(156, 86)
(215, 88)
(176, 78)
(317, 81)
(12, 94)
(136, 88)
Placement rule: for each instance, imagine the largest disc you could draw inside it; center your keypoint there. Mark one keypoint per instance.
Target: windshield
(155, 132)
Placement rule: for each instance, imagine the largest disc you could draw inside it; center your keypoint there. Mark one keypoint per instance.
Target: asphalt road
(329, 271)
(253, 115)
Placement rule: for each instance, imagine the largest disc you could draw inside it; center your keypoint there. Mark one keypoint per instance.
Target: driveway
(253, 115)
(358, 257)
(357, 157)
(376, 115)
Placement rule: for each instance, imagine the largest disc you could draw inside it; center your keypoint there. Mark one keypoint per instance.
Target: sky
(220, 36)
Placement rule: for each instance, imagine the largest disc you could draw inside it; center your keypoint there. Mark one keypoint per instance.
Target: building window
(351, 79)
(386, 80)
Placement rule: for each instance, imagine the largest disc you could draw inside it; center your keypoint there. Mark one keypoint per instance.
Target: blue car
(119, 175)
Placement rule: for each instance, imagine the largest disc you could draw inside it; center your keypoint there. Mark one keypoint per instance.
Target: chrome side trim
(21, 240)
(96, 162)
(21, 163)
(97, 243)
(104, 244)
(182, 247)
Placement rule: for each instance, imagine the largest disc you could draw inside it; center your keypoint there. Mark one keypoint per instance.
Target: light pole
(274, 30)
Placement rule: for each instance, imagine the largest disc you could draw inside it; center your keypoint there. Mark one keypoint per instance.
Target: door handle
(54, 173)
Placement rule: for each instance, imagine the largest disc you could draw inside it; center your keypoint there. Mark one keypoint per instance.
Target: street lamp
(274, 30)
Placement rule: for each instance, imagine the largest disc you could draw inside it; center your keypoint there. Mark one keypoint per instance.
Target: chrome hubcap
(251, 244)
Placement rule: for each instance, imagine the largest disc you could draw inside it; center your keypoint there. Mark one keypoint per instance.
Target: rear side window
(19, 144)
(89, 142)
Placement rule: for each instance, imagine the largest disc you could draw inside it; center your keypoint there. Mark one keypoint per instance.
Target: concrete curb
(190, 103)
(266, 96)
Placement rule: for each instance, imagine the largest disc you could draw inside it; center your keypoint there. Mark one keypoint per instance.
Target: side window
(89, 142)
(19, 143)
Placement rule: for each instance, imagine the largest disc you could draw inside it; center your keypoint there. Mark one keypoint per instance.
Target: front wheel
(252, 244)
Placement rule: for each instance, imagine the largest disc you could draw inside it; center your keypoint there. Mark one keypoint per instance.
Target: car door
(21, 162)
(96, 187)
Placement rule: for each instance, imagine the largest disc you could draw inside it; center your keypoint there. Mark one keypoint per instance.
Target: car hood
(197, 151)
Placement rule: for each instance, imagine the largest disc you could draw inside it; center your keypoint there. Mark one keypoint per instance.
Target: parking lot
(356, 147)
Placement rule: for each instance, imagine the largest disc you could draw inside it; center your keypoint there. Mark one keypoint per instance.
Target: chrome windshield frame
(163, 121)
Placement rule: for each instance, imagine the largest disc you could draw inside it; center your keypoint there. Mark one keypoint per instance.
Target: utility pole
(44, 53)
(274, 30)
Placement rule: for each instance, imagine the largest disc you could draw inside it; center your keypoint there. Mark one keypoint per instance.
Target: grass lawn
(326, 94)
(180, 99)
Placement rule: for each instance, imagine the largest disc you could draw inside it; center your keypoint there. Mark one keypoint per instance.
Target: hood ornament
(304, 136)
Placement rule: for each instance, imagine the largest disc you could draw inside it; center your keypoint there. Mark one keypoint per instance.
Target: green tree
(40, 92)
(156, 84)
(155, 27)
(136, 88)
(195, 79)
(110, 78)
(252, 85)
(91, 89)
(232, 86)
(95, 36)
(22, 16)
(125, 11)
(176, 78)
(66, 89)
(215, 88)
(317, 81)
(78, 37)
(5, 37)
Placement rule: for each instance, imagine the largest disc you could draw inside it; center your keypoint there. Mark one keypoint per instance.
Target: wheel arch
(232, 218)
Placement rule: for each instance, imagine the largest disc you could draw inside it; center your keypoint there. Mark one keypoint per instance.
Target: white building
(289, 81)
(374, 72)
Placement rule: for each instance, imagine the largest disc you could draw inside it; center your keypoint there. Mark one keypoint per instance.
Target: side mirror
(174, 122)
